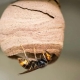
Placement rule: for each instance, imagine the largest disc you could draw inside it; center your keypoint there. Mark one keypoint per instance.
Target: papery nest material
(38, 24)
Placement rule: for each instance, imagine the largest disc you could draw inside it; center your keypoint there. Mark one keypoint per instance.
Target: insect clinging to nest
(31, 65)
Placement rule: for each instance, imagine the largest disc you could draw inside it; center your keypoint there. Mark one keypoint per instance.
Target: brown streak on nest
(56, 2)
(35, 10)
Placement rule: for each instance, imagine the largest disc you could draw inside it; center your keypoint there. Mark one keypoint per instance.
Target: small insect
(31, 65)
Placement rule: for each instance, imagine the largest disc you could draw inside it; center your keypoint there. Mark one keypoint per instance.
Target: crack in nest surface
(35, 10)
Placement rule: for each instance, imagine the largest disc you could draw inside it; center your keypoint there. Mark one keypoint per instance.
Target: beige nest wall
(32, 24)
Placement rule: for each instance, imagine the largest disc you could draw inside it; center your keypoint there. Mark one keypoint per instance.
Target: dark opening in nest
(31, 56)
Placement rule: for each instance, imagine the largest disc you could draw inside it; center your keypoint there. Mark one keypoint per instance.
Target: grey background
(67, 67)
